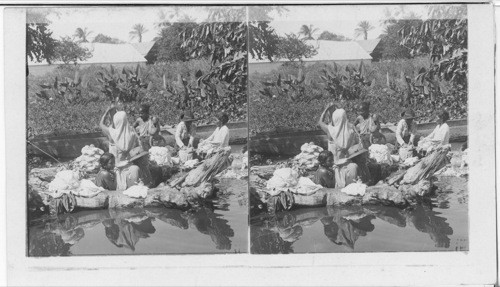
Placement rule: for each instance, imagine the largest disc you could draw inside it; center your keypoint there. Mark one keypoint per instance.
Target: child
(144, 126)
(324, 175)
(363, 123)
(106, 177)
(156, 139)
(376, 137)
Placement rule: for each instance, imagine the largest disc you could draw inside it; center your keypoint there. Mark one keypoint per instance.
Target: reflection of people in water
(207, 222)
(126, 233)
(266, 241)
(344, 227)
(57, 240)
(426, 220)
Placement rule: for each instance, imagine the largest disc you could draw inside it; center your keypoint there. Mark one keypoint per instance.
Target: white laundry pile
(244, 161)
(405, 152)
(136, 191)
(426, 145)
(160, 155)
(411, 161)
(306, 186)
(68, 181)
(308, 157)
(64, 182)
(205, 147)
(282, 180)
(288, 179)
(89, 160)
(380, 153)
(87, 188)
(185, 154)
(465, 158)
(355, 188)
(191, 163)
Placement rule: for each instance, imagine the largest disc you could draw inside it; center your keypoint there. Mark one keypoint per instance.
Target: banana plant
(291, 87)
(125, 86)
(65, 89)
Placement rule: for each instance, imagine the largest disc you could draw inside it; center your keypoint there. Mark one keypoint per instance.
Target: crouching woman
(325, 176)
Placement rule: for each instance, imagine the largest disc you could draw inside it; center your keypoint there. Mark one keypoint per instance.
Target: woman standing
(125, 139)
(343, 137)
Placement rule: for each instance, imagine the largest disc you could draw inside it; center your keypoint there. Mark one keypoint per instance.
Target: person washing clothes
(220, 137)
(406, 129)
(441, 134)
(325, 176)
(130, 167)
(343, 138)
(106, 178)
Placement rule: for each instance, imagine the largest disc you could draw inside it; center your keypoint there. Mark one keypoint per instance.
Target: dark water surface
(439, 225)
(220, 227)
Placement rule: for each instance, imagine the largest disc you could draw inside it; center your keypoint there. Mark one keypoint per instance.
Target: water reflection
(125, 229)
(343, 226)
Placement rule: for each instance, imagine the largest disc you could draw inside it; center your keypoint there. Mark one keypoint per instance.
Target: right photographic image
(358, 128)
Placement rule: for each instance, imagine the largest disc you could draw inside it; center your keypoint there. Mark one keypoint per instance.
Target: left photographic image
(136, 130)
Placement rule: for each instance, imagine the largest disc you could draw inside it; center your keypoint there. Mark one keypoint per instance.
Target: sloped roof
(106, 54)
(144, 47)
(331, 51)
(369, 45)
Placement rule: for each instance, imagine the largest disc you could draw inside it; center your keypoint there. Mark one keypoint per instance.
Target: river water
(218, 227)
(438, 225)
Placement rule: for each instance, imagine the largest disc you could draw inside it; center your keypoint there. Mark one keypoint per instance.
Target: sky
(114, 22)
(118, 22)
(341, 19)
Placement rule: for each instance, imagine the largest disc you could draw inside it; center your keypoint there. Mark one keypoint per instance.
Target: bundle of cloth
(69, 182)
(190, 164)
(244, 161)
(428, 146)
(287, 179)
(380, 153)
(160, 155)
(205, 147)
(308, 157)
(89, 160)
(355, 188)
(405, 152)
(136, 191)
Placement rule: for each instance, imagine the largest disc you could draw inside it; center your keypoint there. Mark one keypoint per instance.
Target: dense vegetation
(58, 111)
(292, 97)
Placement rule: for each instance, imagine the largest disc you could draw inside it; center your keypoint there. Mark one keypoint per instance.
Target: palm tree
(363, 28)
(308, 32)
(82, 34)
(137, 31)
